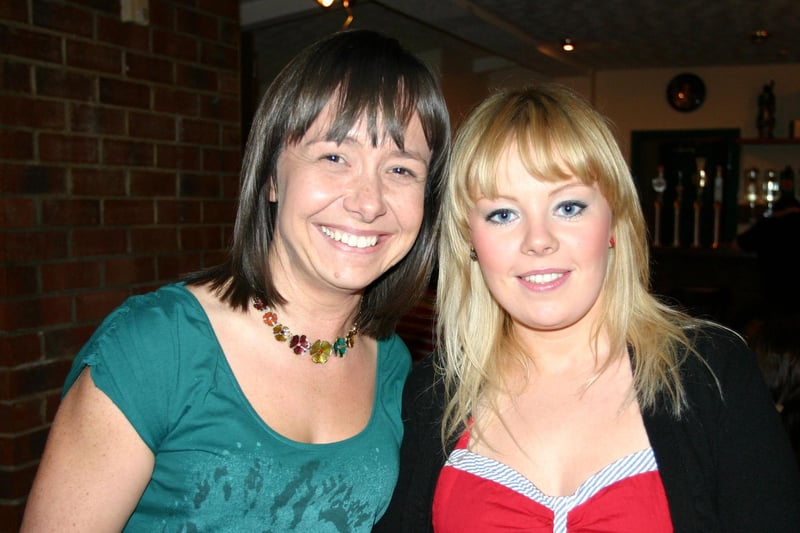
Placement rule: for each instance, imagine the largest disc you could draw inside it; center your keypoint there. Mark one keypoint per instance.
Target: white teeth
(543, 278)
(356, 241)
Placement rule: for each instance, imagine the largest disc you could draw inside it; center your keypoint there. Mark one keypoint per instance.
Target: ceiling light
(567, 45)
(759, 36)
(325, 3)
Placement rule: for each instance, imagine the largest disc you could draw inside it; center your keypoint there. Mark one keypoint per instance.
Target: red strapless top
(478, 494)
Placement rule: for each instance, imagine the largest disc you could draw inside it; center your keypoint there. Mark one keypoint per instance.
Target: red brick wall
(119, 156)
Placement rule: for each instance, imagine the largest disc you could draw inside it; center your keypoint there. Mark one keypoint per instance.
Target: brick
(33, 379)
(16, 11)
(179, 212)
(183, 47)
(32, 113)
(21, 415)
(124, 93)
(181, 157)
(154, 240)
(231, 137)
(128, 212)
(105, 6)
(162, 15)
(197, 24)
(229, 10)
(230, 83)
(15, 77)
(151, 184)
(19, 349)
(31, 179)
(127, 153)
(227, 161)
(220, 211)
(125, 35)
(201, 238)
(199, 186)
(22, 448)
(195, 77)
(99, 241)
(149, 68)
(65, 342)
(17, 212)
(230, 33)
(64, 84)
(33, 245)
(230, 185)
(173, 267)
(177, 102)
(90, 56)
(17, 280)
(95, 119)
(219, 108)
(98, 182)
(16, 144)
(129, 270)
(219, 56)
(62, 17)
(96, 305)
(68, 212)
(16, 483)
(215, 257)
(73, 149)
(35, 312)
(30, 44)
(71, 275)
(151, 126)
(199, 132)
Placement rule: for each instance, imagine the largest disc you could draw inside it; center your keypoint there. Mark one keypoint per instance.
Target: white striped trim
(486, 468)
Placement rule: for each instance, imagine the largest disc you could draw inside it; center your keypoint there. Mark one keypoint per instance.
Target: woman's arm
(94, 467)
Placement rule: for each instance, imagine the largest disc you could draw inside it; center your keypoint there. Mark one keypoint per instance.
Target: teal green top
(218, 466)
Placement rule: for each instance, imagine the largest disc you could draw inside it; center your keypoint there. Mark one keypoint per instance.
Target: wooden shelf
(775, 141)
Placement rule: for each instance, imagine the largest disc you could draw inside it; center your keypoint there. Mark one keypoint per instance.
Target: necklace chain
(320, 349)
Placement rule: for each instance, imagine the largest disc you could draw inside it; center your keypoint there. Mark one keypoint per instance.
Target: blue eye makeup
(501, 216)
(571, 208)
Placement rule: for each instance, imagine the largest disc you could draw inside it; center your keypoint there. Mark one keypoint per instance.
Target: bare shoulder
(94, 468)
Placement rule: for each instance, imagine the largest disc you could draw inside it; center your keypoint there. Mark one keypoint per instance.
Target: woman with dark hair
(264, 394)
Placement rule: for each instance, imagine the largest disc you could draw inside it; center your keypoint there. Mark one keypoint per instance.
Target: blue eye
(501, 216)
(570, 208)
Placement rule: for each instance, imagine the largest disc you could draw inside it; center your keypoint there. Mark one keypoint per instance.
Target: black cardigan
(727, 465)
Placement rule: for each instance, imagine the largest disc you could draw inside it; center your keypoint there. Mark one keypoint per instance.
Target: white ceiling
(493, 34)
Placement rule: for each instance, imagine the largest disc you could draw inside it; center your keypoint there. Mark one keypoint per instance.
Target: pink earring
(611, 242)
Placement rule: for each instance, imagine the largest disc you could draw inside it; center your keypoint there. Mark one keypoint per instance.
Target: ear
(272, 194)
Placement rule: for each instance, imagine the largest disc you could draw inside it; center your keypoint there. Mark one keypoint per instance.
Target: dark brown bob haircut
(370, 76)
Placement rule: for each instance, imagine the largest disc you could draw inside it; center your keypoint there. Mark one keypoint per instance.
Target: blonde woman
(565, 397)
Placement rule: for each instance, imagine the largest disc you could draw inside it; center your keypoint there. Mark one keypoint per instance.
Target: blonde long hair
(552, 126)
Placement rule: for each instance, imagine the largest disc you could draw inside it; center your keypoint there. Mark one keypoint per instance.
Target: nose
(539, 239)
(366, 198)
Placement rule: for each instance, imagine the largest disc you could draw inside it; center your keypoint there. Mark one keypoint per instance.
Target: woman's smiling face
(543, 246)
(349, 211)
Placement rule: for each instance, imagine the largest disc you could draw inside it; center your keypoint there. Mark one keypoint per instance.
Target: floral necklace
(320, 349)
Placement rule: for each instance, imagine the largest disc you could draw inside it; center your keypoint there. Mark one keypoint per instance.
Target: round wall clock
(686, 92)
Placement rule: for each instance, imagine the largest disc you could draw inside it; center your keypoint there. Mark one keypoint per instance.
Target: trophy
(659, 185)
(752, 192)
(718, 182)
(676, 217)
(700, 183)
(771, 190)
